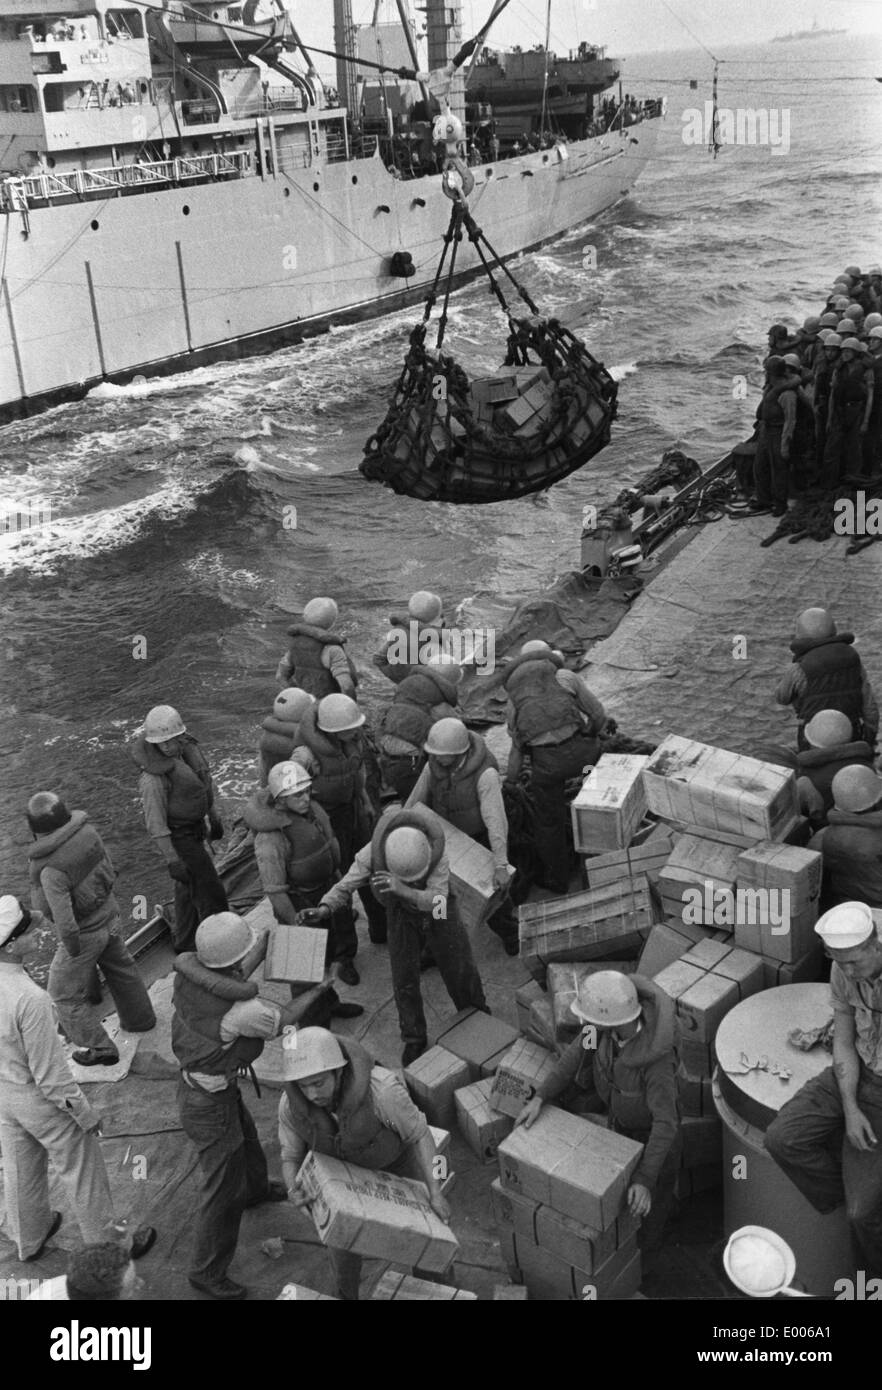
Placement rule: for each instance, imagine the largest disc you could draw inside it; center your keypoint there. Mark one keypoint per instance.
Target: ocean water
(168, 574)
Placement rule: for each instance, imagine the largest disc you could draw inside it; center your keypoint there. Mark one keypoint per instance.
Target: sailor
(828, 1138)
(874, 289)
(177, 795)
(872, 448)
(830, 748)
(338, 1101)
(460, 783)
(827, 673)
(299, 859)
(822, 379)
(280, 731)
(554, 717)
(808, 341)
(418, 632)
(219, 1027)
(777, 422)
(44, 1116)
(851, 405)
(779, 341)
(421, 699)
(625, 1063)
(316, 660)
(407, 864)
(851, 841)
(803, 441)
(72, 878)
(331, 750)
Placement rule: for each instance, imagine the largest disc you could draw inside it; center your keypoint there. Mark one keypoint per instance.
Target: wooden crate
(585, 926)
(610, 805)
(296, 955)
(695, 783)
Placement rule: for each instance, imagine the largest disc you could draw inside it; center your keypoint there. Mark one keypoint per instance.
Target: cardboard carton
(550, 1279)
(566, 1163)
(502, 386)
(372, 1213)
(478, 1039)
(706, 983)
(610, 805)
(432, 1081)
(296, 955)
(585, 926)
(698, 864)
(765, 872)
(510, 1293)
(404, 1288)
(808, 968)
(471, 878)
(524, 997)
(694, 783)
(648, 857)
(521, 1072)
(668, 941)
(298, 1293)
(540, 1028)
(695, 1092)
(481, 1126)
(573, 1242)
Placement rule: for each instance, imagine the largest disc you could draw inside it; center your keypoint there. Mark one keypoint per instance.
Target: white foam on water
(618, 373)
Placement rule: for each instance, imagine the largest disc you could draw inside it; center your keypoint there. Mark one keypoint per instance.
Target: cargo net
(541, 416)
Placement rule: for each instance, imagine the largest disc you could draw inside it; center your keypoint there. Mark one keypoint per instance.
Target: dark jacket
(305, 659)
(818, 766)
(200, 999)
(834, 678)
(453, 792)
(278, 739)
(72, 877)
(188, 781)
(851, 847)
(541, 705)
(310, 849)
(415, 706)
(637, 1083)
(359, 1136)
(397, 671)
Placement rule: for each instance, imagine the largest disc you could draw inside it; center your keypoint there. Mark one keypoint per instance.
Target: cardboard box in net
(564, 981)
(571, 1241)
(694, 783)
(432, 1080)
(522, 1070)
(566, 1163)
(524, 997)
(405, 1288)
(478, 1039)
(482, 1127)
(471, 878)
(610, 805)
(373, 1213)
(706, 983)
(585, 926)
(296, 955)
(779, 889)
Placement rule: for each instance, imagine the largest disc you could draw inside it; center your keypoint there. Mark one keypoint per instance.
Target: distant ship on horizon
(814, 33)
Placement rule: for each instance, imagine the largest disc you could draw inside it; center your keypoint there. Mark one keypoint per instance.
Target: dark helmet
(46, 812)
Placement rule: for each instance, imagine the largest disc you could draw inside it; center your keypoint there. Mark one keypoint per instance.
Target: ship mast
(444, 36)
(344, 42)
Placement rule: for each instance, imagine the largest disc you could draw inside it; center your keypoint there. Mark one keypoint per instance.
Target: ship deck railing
(20, 193)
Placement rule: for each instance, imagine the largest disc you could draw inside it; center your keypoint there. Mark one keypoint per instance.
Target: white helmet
(162, 723)
(321, 612)
(308, 1052)
(286, 779)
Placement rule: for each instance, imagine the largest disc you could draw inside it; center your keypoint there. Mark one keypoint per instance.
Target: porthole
(94, 226)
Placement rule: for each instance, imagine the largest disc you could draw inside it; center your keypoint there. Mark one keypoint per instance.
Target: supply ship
(816, 32)
(177, 184)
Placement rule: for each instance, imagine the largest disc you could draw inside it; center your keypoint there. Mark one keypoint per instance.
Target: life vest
(411, 713)
(77, 850)
(453, 792)
(187, 779)
(850, 385)
(278, 740)
(834, 678)
(851, 847)
(359, 1135)
(771, 411)
(417, 818)
(820, 765)
(305, 659)
(309, 854)
(336, 783)
(201, 997)
(541, 705)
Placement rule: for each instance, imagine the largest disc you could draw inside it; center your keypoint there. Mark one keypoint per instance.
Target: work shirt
(30, 1048)
(154, 799)
(247, 1018)
(492, 809)
(862, 999)
(359, 874)
(392, 1106)
(588, 703)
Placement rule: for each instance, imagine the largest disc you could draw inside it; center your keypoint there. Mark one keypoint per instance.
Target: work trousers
(553, 764)
(202, 895)
(872, 445)
(807, 1141)
(503, 921)
(450, 947)
(351, 832)
(70, 978)
(771, 469)
(347, 1266)
(234, 1173)
(843, 452)
(33, 1133)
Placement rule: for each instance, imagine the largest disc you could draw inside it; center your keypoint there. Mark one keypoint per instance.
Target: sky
(630, 26)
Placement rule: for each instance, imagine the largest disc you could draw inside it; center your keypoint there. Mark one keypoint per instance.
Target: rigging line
(545, 73)
(692, 35)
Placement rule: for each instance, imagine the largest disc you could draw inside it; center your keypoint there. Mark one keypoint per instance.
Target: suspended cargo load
(451, 438)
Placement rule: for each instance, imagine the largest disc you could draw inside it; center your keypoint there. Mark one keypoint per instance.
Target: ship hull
(161, 282)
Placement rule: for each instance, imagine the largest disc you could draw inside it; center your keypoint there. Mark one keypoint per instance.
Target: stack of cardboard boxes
(559, 1206)
(516, 400)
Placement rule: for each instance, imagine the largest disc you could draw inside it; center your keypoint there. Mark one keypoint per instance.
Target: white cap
(758, 1261)
(846, 926)
(10, 917)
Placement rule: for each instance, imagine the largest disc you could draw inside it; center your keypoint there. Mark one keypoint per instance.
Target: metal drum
(748, 1101)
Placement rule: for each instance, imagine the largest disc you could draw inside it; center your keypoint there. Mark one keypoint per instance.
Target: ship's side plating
(108, 288)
